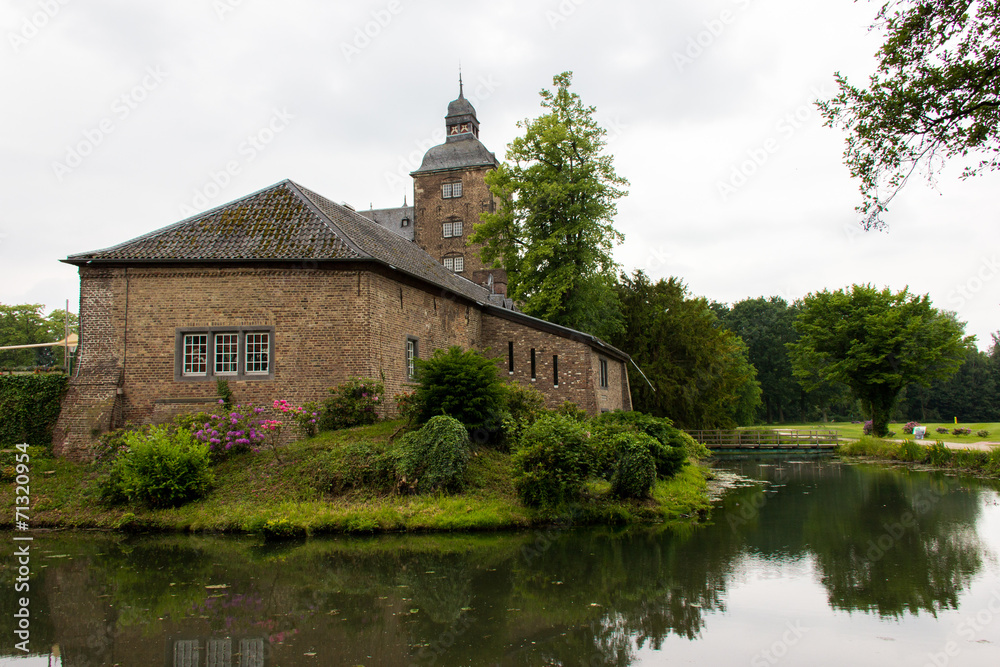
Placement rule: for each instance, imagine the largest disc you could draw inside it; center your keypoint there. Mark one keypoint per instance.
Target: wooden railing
(766, 439)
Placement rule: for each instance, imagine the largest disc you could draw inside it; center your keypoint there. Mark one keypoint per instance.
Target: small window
(456, 229)
(510, 357)
(555, 370)
(532, 364)
(405, 222)
(447, 230)
(604, 373)
(258, 348)
(459, 264)
(451, 190)
(411, 356)
(196, 354)
(449, 263)
(227, 354)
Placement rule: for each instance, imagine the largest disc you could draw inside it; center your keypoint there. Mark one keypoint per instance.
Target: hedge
(29, 408)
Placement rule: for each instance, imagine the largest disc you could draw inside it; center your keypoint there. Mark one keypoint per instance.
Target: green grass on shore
(854, 431)
(976, 461)
(258, 493)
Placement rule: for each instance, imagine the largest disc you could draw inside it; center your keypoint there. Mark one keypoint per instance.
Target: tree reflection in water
(890, 543)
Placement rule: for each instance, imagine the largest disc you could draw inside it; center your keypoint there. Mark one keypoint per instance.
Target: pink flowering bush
(306, 417)
(249, 428)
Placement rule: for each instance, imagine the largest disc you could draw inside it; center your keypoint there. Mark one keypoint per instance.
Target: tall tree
(876, 343)
(699, 372)
(552, 230)
(765, 325)
(935, 95)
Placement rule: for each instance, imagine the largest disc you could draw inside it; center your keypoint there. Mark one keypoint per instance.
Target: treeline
(27, 324)
(766, 327)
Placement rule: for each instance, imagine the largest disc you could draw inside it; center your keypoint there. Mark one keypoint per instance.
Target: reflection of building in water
(217, 653)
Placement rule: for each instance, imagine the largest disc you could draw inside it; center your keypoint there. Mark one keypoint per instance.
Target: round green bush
(553, 460)
(635, 470)
(160, 468)
(674, 445)
(463, 385)
(435, 457)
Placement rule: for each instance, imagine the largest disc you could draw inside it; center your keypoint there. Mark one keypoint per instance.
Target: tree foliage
(460, 384)
(26, 324)
(876, 342)
(934, 96)
(552, 230)
(699, 372)
(971, 395)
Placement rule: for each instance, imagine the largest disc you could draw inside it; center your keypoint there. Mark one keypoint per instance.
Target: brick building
(285, 293)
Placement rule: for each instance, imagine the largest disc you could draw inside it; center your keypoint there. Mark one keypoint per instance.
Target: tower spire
(460, 89)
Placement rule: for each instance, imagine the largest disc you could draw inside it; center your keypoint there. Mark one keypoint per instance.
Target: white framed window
(411, 356)
(195, 362)
(227, 353)
(454, 263)
(456, 228)
(447, 230)
(451, 190)
(258, 353)
(449, 263)
(459, 264)
(230, 352)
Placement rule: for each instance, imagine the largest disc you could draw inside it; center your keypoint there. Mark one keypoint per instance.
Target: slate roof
(466, 151)
(287, 222)
(392, 218)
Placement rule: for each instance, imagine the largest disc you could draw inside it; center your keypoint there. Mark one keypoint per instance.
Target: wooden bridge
(767, 440)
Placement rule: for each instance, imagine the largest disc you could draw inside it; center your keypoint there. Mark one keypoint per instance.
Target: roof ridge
(191, 218)
(301, 191)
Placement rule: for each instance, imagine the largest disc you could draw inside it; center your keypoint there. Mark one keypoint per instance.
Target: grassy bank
(854, 431)
(259, 493)
(976, 461)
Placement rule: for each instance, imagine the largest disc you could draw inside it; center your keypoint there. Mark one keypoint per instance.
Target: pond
(805, 563)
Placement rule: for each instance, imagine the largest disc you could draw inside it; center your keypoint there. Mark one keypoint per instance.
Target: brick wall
(431, 211)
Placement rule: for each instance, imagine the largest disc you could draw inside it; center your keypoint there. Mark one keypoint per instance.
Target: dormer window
(451, 190)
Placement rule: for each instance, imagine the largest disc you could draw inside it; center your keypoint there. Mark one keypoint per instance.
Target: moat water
(805, 563)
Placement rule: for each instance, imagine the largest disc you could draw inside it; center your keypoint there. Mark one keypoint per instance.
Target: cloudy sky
(123, 116)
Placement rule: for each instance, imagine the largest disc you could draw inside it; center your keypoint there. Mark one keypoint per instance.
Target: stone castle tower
(449, 193)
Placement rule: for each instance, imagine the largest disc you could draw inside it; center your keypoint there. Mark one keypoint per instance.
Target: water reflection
(886, 543)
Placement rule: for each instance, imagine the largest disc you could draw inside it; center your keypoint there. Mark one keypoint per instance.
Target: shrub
(553, 461)
(909, 426)
(358, 465)
(983, 433)
(671, 457)
(911, 451)
(225, 393)
(522, 406)
(30, 407)
(867, 428)
(573, 411)
(242, 430)
(160, 469)
(352, 403)
(939, 455)
(406, 407)
(305, 417)
(435, 457)
(961, 431)
(941, 429)
(634, 471)
(463, 385)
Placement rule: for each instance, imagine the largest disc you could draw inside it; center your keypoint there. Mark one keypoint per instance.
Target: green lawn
(849, 430)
